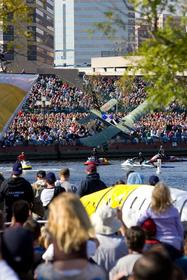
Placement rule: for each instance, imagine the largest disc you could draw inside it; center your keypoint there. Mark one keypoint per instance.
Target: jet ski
(134, 164)
(165, 158)
(26, 165)
(99, 161)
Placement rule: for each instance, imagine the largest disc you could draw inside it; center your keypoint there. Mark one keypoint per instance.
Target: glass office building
(37, 50)
(74, 45)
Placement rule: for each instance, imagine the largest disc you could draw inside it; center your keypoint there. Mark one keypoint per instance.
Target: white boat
(26, 165)
(133, 200)
(136, 164)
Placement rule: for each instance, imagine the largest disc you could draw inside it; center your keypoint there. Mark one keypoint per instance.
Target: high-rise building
(30, 53)
(74, 45)
(142, 31)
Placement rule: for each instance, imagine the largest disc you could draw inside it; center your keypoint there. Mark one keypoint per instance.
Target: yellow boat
(132, 200)
(26, 165)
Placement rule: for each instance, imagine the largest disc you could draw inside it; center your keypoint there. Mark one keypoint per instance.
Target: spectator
(152, 266)
(149, 228)
(134, 178)
(17, 248)
(111, 244)
(6, 271)
(40, 183)
(34, 227)
(20, 213)
(64, 181)
(166, 218)
(15, 188)
(70, 229)
(135, 241)
(153, 180)
(50, 191)
(92, 183)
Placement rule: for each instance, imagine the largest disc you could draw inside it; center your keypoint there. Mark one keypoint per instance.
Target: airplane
(126, 124)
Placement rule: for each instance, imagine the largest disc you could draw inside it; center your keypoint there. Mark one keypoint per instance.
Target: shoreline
(115, 150)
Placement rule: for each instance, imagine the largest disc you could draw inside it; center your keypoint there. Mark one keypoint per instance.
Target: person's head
(22, 153)
(152, 266)
(41, 174)
(153, 180)
(50, 178)
(91, 168)
(140, 154)
(161, 198)
(34, 227)
(20, 211)
(45, 238)
(120, 182)
(64, 174)
(149, 228)
(17, 169)
(105, 220)
(17, 248)
(68, 223)
(134, 178)
(135, 238)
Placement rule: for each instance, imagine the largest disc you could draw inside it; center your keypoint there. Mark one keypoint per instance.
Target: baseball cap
(91, 168)
(17, 168)
(149, 226)
(153, 180)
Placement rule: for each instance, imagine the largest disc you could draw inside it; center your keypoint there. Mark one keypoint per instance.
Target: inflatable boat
(133, 200)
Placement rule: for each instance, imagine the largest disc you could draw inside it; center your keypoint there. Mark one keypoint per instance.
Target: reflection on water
(173, 174)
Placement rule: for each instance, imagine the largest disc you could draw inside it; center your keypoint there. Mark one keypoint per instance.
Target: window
(31, 52)
(31, 31)
(9, 52)
(30, 1)
(8, 34)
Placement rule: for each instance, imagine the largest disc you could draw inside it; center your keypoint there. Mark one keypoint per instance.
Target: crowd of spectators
(68, 244)
(54, 110)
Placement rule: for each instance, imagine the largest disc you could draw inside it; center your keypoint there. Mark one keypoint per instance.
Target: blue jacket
(91, 184)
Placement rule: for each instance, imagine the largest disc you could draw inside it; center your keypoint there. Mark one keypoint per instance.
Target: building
(27, 54)
(142, 29)
(75, 43)
(175, 21)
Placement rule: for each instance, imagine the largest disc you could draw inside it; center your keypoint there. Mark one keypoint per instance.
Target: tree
(16, 14)
(163, 60)
(163, 56)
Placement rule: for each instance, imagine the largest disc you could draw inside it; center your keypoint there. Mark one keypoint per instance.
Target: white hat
(105, 220)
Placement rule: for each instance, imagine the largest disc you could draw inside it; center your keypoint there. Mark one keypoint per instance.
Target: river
(174, 174)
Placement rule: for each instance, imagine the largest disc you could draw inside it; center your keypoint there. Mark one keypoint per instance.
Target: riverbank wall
(115, 150)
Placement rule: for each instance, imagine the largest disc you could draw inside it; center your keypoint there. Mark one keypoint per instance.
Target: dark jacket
(14, 189)
(91, 184)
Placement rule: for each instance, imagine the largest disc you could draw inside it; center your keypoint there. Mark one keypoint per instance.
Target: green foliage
(164, 56)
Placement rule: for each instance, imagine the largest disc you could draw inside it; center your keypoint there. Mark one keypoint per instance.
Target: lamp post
(43, 103)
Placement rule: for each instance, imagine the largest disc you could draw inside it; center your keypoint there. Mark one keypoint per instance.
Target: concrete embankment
(60, 152)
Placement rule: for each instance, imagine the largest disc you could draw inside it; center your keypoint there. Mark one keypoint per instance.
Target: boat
(26, 165)
(133, 200)
(166, 158)
(136, 164)
(100, 161)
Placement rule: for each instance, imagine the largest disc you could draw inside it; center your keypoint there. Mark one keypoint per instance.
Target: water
(174, 174)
